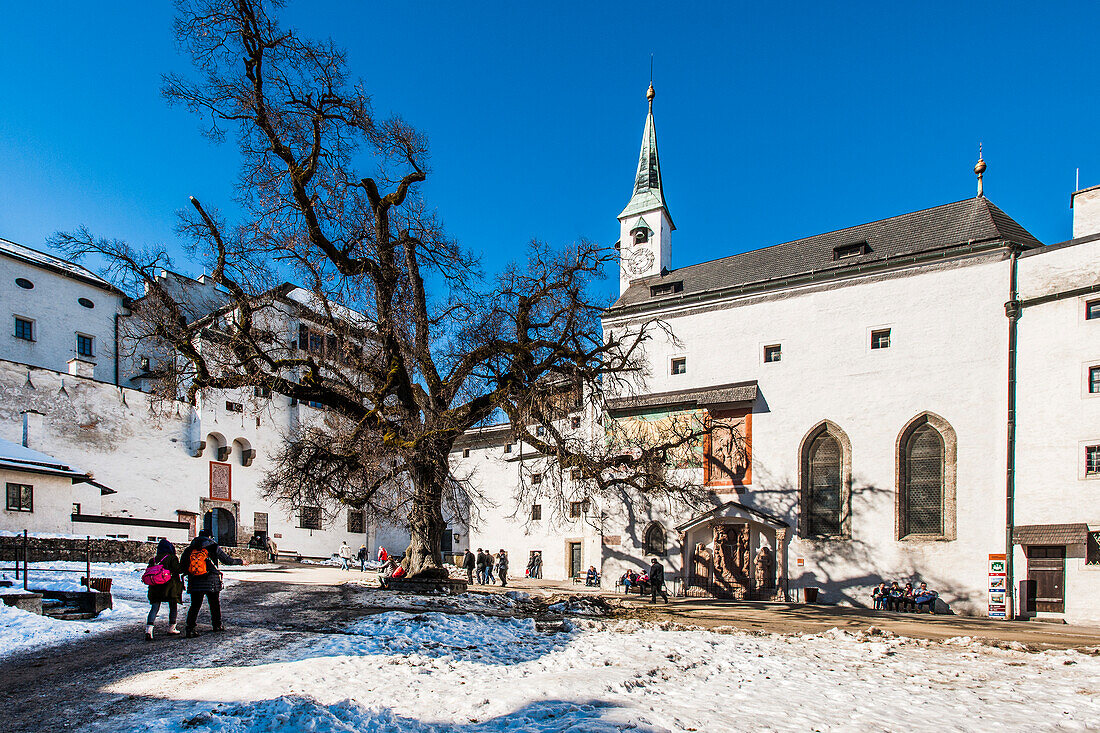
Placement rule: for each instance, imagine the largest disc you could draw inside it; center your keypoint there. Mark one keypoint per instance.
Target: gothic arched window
(926, 479)
(825, 482)
(655, 542)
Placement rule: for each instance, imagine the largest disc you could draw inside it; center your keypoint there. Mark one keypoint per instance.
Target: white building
(865, 372)
(173, 467)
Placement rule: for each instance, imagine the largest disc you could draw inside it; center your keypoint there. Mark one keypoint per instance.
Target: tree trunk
(424, 559)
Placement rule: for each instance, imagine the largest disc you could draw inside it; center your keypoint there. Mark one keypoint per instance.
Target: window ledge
(926, 538)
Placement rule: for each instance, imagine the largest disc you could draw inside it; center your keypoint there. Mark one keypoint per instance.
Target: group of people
(165, 576)
(262, 541)
(488, 567)
(534, 565)
(654, 580)
(894, 597)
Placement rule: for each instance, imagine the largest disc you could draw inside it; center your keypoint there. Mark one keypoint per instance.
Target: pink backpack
(156, 574)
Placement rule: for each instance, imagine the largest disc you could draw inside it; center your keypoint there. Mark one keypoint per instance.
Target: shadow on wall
(856, 590)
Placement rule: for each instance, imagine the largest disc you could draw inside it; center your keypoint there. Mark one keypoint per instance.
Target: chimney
(82, 368)
(1086, 211)
(32, 428)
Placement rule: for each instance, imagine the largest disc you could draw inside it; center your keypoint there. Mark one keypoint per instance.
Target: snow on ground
(397, 672)
(22, 630)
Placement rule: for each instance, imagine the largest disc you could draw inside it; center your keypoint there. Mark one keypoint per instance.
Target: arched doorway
(222, 526)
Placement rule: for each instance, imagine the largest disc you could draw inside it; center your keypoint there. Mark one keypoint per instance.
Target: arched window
(655, 543)
(926, 479)
(824, 500)
(825, 482)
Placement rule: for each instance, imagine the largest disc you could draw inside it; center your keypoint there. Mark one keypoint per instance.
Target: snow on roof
(50, 262)
(18, 457)
(313, 302)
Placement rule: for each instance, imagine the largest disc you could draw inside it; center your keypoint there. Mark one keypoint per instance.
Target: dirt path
(62, 687)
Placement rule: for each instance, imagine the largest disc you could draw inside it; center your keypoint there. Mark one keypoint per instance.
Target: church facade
(872, 428)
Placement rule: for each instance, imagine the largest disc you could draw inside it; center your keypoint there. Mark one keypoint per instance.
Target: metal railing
(24, 551)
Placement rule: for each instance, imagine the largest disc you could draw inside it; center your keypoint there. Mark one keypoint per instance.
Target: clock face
(639, 261)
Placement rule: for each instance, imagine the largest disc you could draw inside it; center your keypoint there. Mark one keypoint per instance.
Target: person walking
(361, 556)
(165, 586)
(272, 550)
(468, 564)
(200, 564)
(657, 581)
(480, 566)
(383, 556)
(345, 556)
(502, 567)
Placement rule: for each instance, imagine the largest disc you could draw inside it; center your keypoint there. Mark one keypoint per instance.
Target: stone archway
(222, 526)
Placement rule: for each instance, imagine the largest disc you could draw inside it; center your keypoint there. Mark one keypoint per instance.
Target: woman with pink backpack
(165, 584)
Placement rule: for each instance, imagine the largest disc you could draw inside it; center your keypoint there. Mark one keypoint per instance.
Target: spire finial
(650, 94)
(979, 169)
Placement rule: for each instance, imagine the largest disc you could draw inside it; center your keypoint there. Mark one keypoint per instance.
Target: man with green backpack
(200, 564)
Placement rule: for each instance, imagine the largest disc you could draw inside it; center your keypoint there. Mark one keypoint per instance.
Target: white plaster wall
(141, 448)
(947, 356)
(1056, 415)
(52, 502)
(504, 523)
(1086, 212)
(52, 305)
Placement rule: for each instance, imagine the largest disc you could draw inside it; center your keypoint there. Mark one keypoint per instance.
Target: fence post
(24, 560)
(88, 562)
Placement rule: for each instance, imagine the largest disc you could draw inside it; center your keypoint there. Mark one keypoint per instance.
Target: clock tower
(645, 228)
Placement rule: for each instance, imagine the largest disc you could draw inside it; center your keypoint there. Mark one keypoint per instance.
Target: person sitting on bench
(592, 577)
(925, 597)
(878, 595)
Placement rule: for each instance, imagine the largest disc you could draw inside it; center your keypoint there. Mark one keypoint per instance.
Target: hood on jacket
(164, 547)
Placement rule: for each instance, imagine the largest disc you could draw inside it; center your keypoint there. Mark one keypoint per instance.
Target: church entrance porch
(734, 552)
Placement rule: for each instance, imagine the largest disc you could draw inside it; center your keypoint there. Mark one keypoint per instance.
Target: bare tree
(403, 343)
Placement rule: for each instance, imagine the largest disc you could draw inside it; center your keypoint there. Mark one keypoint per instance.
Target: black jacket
(211, 580)
(482, 560)
(173, 589)
(502, 563)
(656, 575)
(468, 560)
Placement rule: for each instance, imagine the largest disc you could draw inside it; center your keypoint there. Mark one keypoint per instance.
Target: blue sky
(775, 120)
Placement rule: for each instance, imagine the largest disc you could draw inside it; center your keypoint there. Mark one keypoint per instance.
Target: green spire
(648, 194)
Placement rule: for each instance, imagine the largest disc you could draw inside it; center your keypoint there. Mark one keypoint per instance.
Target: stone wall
(46, 549)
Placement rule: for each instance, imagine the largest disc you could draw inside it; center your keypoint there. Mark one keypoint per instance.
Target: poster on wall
(221, 481)
(998, 586)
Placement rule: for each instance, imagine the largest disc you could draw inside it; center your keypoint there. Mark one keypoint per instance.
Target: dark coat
(173, 589)
(656, 575)
(482, 560)
(468, 560)
(502, 563)
(211, 580)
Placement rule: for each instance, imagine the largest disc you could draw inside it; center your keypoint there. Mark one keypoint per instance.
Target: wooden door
(1046, 566)
(574, 558)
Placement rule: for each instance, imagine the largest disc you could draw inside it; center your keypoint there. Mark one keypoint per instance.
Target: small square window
(536, 512)
(536, 479)
(234, 407)
(1092, 549)
(76, 509)
(1092, 460)
(356, 525)
(880, 339)
(1092, 310)
(24, 329)
(1094, 380)
(85, 345)
(773, 353)
(507, 447)
(680, 365)
(576, 509)
(575, 474)
(465, 452)
(20, 498)
(262, 392)
(574, 422)
(540, 431)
